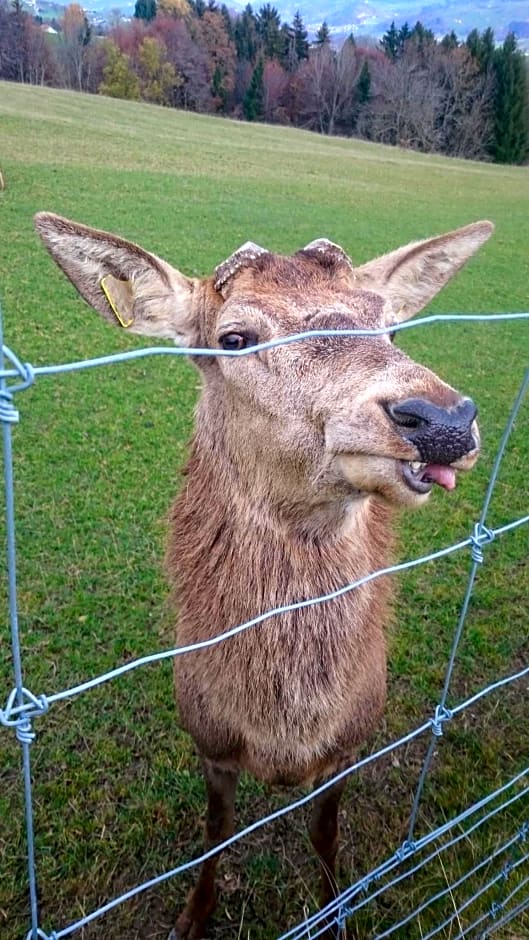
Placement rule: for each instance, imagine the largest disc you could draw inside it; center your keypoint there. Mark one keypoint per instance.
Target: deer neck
(272, 495)
(234, 552)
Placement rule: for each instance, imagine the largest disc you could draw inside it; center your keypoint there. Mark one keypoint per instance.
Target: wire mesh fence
(480, 901)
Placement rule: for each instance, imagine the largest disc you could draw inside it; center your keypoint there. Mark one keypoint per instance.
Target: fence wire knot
(32, 935)
(24, 369)
(24, 731)
(406, 849)
(442, 714)
(8, 412)
(18, 714)
(495, 909)
(365, 885)
(482, 536)
(26, 372)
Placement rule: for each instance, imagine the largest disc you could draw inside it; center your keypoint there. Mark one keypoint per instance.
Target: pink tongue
(444, 476)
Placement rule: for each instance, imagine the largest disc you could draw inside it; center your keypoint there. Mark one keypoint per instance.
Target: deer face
(354, 414)
(323, 419)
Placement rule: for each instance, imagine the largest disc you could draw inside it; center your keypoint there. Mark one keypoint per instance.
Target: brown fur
(289, 493)
(287, 698)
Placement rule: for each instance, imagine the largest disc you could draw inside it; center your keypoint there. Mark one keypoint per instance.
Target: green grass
(118, 795)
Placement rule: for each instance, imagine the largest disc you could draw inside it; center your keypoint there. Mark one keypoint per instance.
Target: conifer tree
(393, 42)
(390, 42)
(301, 40)
(228, 22)
(450, 41)
(420, 35)
(323, 36)
(289, 58)
(245, 35)
(268, 24)
(406, 33)
(511, 125)
(505, 67)
(363, 86)
(253, 104)
(481, 46)
(145, 10)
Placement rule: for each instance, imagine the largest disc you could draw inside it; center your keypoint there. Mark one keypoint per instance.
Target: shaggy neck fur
(292, 696)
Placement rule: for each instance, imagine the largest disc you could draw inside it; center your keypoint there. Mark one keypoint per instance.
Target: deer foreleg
(324, 835)
(221, 787)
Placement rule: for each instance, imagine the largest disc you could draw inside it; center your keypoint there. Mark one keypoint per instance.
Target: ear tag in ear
(120, 297)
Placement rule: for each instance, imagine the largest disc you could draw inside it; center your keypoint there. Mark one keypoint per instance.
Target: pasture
(118, 793)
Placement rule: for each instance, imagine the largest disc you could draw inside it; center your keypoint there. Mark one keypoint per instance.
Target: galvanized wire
(23, 705)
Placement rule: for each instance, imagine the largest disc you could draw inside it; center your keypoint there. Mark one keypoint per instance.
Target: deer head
(319, 422)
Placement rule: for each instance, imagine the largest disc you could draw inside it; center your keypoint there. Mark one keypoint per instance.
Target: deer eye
(235, 341)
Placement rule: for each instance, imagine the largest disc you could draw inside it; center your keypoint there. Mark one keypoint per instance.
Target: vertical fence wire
(23, 706)
(22, 723)
(487, 536)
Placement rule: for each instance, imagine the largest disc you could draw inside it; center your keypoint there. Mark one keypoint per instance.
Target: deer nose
(441, 435)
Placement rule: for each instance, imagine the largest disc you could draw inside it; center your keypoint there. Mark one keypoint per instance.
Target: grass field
(118, 794)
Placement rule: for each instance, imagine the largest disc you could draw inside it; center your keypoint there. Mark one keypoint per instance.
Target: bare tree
(404, 105)
(13, 51)
(40, 62)
(275, 84)
(468, 95)
(76, 34)
(325, 87)
(25, 55)
(438, 102)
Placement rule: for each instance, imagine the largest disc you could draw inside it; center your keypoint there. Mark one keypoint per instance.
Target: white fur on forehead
(247, 252)
(328, 249)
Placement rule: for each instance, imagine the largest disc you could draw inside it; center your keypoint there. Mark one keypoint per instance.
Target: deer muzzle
(442, 436)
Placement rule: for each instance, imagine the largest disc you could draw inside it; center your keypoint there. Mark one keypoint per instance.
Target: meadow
(118, 792)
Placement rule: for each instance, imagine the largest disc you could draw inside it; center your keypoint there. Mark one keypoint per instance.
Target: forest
(411, 89)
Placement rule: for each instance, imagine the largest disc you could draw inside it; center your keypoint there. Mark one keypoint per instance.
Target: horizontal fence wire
(23, 705)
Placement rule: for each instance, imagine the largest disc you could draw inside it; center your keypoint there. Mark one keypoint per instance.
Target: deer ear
(128, 286)
(411, 276)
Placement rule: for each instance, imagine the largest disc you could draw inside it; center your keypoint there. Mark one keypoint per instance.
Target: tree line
(462, 98)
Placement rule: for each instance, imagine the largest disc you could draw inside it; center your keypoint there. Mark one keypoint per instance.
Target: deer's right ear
(128, 286)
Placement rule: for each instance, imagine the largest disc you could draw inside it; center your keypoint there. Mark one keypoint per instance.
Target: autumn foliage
(466, 99)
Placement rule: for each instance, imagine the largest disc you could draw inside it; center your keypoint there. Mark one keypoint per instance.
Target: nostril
(412, 414)
(468, 411)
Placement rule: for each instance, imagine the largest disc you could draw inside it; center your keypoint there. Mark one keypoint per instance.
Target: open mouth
(420, 477)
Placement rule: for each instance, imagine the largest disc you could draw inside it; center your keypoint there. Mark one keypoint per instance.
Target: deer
(303, 455)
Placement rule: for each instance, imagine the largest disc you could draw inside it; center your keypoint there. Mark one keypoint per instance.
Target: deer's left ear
(411, 276)
(127, 285)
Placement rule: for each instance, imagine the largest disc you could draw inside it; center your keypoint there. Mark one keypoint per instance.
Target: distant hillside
(373, 17)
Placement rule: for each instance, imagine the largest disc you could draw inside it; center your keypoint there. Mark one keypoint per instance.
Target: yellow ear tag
(120, 297)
